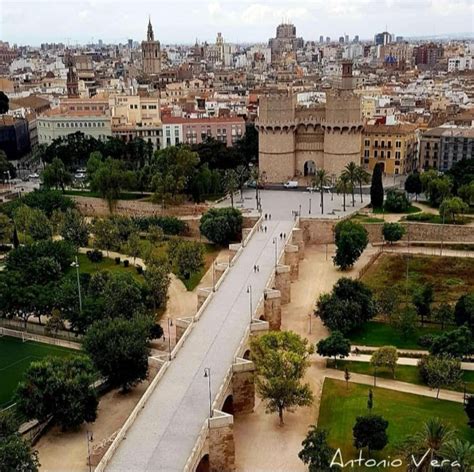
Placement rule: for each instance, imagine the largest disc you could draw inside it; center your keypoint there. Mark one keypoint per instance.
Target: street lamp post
(249, 291)
(90, 438)
(310, 322)
(214, 276)
(310, 205)
(299, 214)
(76, 265)
(275, 242)
(207, 374)
(170, 323)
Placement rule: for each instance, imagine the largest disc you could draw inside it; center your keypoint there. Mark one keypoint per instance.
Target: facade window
(398, 144)
(376, 144)
(375, 154)
(389, 144)
(388, 154)
(397, 155)
(367, 142)
(366, 153)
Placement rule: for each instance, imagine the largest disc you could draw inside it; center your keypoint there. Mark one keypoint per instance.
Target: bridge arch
(204, 465)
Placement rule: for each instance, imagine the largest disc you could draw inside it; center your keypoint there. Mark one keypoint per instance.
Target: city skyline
(83, 22)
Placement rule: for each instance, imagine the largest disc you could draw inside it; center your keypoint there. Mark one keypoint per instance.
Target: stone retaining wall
(319, 231)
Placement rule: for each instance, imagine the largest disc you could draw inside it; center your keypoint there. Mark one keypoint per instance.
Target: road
(165, 432)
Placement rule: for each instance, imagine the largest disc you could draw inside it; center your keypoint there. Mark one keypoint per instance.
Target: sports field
(15, 357)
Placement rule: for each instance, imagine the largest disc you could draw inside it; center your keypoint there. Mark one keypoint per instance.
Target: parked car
(291, 184)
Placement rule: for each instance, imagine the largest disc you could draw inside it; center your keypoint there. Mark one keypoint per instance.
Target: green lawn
(451, 277)
(404, 373)
(359, 218)
(425, 217)
(89, 267)
(87, 193)
(15, 357)
(374, 333)
(405, 413)
(411, 209)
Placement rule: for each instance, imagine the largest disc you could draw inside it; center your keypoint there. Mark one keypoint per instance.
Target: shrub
(169, 224)
(117, 260)
(222, 225)
(95, 255)
(396, 201)
(393, 232)
(126, 263)
(139, 269)
(426, 340)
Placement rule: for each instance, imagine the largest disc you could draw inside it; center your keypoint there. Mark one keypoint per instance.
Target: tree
(15, 453)
(388, 302)
(281, 360)
(243, 174)
(396, 201)
(466, 192)
(109, 180)
(456, 343)
(189, 258)
(155, 234)
(347, 377)
(440, 371)
(7, 169)
(350, 172)
(157, 280)
(6, 229)
(351, 239)
(376, 188)
(105, 234)
(370, 431)
(459, 451)
(370, 400)
(349, 305)
(437, 189)
(230, 184)
(123, 295)
(172, 168)
(413, 184)
(133, 246)
(451, 207)
(321, 179)
(444, 314)
(362, 177)
(33, 223)
(343, 185)
(61, 388)
(73, 228)
(469, 409)
(385, 357)
(433, 436)
(56, 176)
(422, 299)
(221, 225)
(393, 232)
(404, 320)
(119, 349)
(316, 451)
(4, 103)
(464, 311)
(333, 346)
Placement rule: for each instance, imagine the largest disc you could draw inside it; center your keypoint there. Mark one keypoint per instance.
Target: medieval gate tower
(295, 141)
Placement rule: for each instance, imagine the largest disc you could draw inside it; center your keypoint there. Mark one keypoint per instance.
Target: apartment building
(393, 146)
(443, 146)
(227, 130)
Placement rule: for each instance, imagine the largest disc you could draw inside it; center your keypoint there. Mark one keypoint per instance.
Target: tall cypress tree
(376, 188)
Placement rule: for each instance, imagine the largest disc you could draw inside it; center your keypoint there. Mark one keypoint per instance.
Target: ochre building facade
(295, 141)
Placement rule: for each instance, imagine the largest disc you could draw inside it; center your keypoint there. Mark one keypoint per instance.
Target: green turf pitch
(15, 357)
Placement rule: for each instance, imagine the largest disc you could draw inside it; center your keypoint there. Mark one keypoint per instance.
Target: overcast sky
(182, 21)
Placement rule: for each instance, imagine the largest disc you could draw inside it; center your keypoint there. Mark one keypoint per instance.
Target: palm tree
(434, 436)
(255, 176)
(459, 451)
(320, 180)
(230, 184)
(351, 173)
(362, 177)
(242, 173)
(343, 185)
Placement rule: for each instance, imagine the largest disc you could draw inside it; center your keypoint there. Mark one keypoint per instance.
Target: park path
(411, 361)
(397, 385)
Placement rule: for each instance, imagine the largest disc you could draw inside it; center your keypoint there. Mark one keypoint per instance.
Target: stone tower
(276, 128)
(72, 82)
(342, 125)
(151, 53)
